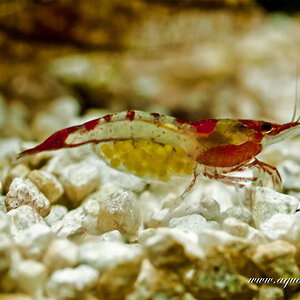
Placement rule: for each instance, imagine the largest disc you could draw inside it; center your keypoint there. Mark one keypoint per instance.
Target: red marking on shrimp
(205, 127)
(155, 115)
(181, 121)
(107, 118)
(54, 142)
(91, 124)
(130, 115)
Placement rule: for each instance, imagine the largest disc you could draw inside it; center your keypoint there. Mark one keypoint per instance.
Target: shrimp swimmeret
(156, 146)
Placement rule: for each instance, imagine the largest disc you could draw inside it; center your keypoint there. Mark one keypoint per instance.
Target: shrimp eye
(266, 126)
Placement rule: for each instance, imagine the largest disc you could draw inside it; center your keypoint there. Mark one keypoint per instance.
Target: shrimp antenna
(296, 98)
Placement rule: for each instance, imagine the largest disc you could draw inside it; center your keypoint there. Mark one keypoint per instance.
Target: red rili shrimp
(157, 146)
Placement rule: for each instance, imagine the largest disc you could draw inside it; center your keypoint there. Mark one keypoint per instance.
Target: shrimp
(155, 146)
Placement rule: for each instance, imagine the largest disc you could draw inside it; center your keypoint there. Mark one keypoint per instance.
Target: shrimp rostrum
(156, 146)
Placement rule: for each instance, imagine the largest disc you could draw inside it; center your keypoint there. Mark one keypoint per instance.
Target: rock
(210, 238)
(119, 211)
(34, 240)
(206, 207)
(236, 227)
(269, 292)
(155, 283)
(241, 213)
(282, 227)
(2, 204)
(171, 201)
(278, 227)
(19, 170)
(71, 283)
(78, 221)
(172, 247)
(159, 218)
(120, 179)
(240, 229)
(290, 172)
(55, 117)
(65, 107)
(105, 190)
(57, 213)
(215, 278)
(47, 184)
(195, 223)
(24, 192)
(117, 280)
(9, 148)
(5, 166)
(61, 254)
(108, 255)
(79, 180)
(152, 212)
(4, 224)
(112, 236)
(6, 246)
(22, 218)
(91, 210)
(31, 276)
(56, 161)
(267, 203)
(277, 260)
(145, 234)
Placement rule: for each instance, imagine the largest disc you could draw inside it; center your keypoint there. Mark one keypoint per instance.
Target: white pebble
(68, 283)
(24, 192)
(31, 276)
(79, 180)
(195, 223)
(47, 184)
(80, 220)
(10, 147)
(2, 204)
(282, 227)
(239, 212)
(240, 229)
(236, 227)
(112, 236)
(19, 170)
(120, 179)
(159, 218)
(23, 218)
(107, 255)
(145, 234)
(34, 240)
(290, 172)
(5, 251)
(210, 238)
(267, 203)
(206, 207)
(119, 211)
(61, 254)
(57, 213)
(4, 224)
(184, 247)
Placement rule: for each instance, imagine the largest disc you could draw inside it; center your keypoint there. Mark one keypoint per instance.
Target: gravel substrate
(73, 228)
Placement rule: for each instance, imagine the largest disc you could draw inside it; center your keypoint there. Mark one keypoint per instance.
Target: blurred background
(67, 61)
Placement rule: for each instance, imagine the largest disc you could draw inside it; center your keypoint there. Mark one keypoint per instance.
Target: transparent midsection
(145, 158)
